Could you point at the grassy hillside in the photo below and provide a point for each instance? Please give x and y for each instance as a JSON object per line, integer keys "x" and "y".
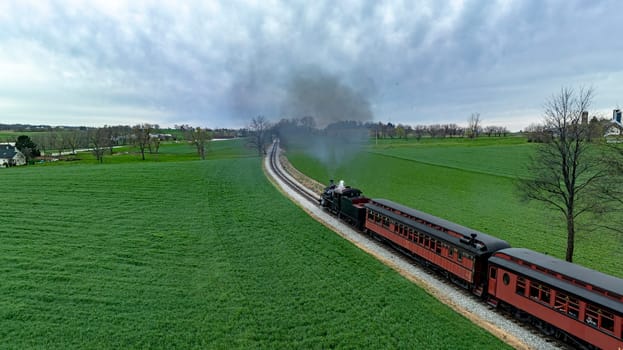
{"x": 195, "y": 255}
{"x": 471, "y": 183}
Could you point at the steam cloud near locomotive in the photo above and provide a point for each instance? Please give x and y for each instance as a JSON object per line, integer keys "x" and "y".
{"x": 318, "y": 102}
{"x": 565, "y": 300}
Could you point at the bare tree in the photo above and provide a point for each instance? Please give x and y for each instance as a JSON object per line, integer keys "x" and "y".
{"x": 141, "y": 136}
{"x": 567, "y": 170}
{"x": 42, "y": 141}
{"x": 154, "y": 139}
{"x": 503, "y": 131}
{"x": 107, "y": 138}
{"x": 473, "y": 125}
{"x": 408, "y": 131}
{"x": 259, "y": 128}
{"x": 537, "y": 133}
{"x": 154, "y": 144}
{"x": 118, "y": 135}
{"x": 98, "y": 140}
{"x": 400, "y": 131}
{"x": 74, "y": 138}
{"x": 390, "y": 130}
{"x": 199, "y": 137}
{"x": 490, "y": 130}
{"x": 57, "y": 141}
{"x": 493, "y": 130}
{"x": 419, "y": 131}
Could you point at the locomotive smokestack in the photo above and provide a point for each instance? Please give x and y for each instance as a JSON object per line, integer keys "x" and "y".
{"x": 340, "y": 187}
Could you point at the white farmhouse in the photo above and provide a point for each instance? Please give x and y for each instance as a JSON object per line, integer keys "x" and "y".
{"x": 10, "y": 156}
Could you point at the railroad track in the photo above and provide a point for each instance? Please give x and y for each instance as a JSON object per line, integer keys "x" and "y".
{"x": 308, "y": 195}
{"x": 290, "y": 181}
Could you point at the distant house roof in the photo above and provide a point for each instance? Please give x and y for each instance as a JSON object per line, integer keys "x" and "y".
{"x": 7, "y": 151}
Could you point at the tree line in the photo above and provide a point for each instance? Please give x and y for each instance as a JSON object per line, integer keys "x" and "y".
{"x": 542, "y": 132}
{"x": 399, "y": 131}
{"x": 58, "y": 142}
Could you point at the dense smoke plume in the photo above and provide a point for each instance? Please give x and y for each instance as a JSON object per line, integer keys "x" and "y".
{"x": 324, "y": 97}
{"x": 326, "y": 117}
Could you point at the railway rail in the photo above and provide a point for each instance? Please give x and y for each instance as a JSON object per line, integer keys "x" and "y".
{"x": 286, "y": 178}
{"x": 514, "y": 331}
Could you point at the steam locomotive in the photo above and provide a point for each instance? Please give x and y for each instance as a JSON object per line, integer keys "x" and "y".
{"x": 564, "y": 300}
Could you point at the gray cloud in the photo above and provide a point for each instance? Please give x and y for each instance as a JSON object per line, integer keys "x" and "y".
{"x": 220, "y": 64}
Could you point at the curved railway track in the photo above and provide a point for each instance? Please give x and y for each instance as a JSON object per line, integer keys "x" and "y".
{"x": 309, "y": 196}
{"x": 286, "y": 178}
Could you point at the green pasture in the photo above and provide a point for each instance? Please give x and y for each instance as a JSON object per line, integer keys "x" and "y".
{"x": 169, "y": 151}
{"x": 195, "y": 254}
{"x": 471, "y": 183}
{"x": 11, "y": 136}
{"x": 502, "y": 159}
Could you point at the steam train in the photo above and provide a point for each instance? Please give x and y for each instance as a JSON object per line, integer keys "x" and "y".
{"x": 565, "y": 300}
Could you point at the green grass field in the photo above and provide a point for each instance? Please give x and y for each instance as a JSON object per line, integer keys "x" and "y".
{"x": 195, "y": 254}
{"x": 471, "y": 182}
{"x": 168, "y": 152}
{"x": 7, "y": 135}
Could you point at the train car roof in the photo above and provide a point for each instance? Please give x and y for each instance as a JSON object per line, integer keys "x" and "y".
{"x": 565, "y": 268}
{"x": 466, "y": 231}
{"x": 491, "y": 244}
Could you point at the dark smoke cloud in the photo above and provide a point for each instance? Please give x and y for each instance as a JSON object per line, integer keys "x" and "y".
{"x": 326, "y": 98}
{"x": 339, "y": 112}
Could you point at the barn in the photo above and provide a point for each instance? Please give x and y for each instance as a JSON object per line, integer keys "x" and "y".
{"x": 11, "y": 156}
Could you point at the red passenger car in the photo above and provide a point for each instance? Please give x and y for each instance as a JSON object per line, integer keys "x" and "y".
{"x": 565, "y": 298}
{"x": 458, "y": 250}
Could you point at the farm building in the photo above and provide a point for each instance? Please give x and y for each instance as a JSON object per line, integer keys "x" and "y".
{"x": 11, "y": 156}
{"x": 615, "y": 128}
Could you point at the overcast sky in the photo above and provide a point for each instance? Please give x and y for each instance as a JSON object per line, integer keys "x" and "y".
{"x": 218, "y": 64}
